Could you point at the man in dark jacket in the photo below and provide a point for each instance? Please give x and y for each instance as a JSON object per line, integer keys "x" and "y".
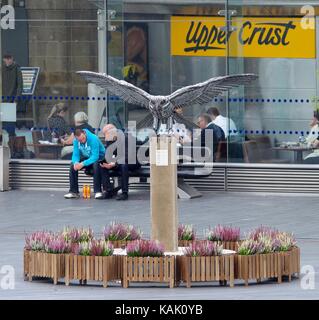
{"x": 118, "y": 157}
{"x": 204, "y": 122}
{"x": 12, "y": 85}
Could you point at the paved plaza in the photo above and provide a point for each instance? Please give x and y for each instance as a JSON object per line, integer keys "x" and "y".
{"x": 26, "y": 211}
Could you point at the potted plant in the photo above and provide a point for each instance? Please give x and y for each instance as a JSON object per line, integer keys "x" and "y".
{"x": 186, "y": 235}
{"x": 266, "y": 253}
{"x": 44, "y": 255}
{"x": 119, "y": 234}
{"x": 145, "y": 262}
{"x": 77, "y": 235}
{"x": 202, "y": 262}
{"x": 227, "y": 236}
{"x": 92, "y": 260}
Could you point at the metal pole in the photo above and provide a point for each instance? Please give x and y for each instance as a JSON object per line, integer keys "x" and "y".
{"x": 4, "y": 151}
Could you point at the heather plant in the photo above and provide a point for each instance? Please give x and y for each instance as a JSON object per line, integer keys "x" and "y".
{"x": 203, "y": 249}
{"x": 186, "y": 232}
{"x": 101, "y": 248}
{"x": 119, "y": 231}
{"x": 93, "y": 248}
{"x": 38, "y": 241}
{"x": 262, "y": 231}
{"x": 286, "y": 241}
{"x": 77, "y": 235}
{"x": 145, "y": 248}
{"x": 223, "y": 233}
{"x": 58, "y": 244}
{"x": 250, "y": 247}
{"x": 266, "y": 240}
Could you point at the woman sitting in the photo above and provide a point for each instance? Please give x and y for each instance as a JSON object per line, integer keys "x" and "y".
{"x": 58, "y": 128}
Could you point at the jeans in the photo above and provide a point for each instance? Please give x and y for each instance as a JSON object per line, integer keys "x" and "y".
{"x": 73, "y": 176}
{"x": 123, "y": 170}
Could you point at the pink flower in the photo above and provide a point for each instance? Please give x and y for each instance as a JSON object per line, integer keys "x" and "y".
{"x": 203, "y": 249}
{"x": 223, "y": 233}
{"x": 145, "y": 248}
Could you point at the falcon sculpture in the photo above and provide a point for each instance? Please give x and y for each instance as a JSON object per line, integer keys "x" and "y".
{"x": 162, "y": 108}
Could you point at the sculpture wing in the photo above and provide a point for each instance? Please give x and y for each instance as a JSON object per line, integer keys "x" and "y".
{"x": 188, "y": 124}
{"x": 124, "y": 90}
{"x": 146, "y": 122}
{"x": 204, "y": 92}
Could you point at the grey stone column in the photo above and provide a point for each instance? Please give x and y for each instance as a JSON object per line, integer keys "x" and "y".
{"x": 164, "y": 212}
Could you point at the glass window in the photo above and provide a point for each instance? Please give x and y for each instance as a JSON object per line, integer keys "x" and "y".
{"x": 161, "y": 46}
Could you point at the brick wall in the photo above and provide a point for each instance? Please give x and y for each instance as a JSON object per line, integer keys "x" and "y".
{"x": 62, "y": 40}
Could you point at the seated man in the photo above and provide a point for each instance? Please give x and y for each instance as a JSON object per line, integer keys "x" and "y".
{"x": 88, "y": 150}
{"x": 123, "y": 153}
{"x": 204, "y": 122}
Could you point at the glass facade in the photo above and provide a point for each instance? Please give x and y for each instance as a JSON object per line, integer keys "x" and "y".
{"x": 162, "y": 46}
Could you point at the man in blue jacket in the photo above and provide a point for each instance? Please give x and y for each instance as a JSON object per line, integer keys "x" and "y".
{"x": 88, "y": 151}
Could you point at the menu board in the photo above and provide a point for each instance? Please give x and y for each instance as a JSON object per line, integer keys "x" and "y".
{"x": 30, "y": 78}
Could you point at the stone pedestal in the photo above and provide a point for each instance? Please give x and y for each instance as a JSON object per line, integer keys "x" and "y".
{"x": 4, "y": 168}
{"x": 164, "y": 213}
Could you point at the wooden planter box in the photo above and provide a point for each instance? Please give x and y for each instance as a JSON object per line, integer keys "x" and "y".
{"x": 85, "y": 268}
{"x": 263, "y": 266}
{"x": 204, "y": 269}
{"x": 149, "y": 269}
{"x": 229, "y": 245}
{"x": 45, "y": 265}
{"x": 271, "y": 265}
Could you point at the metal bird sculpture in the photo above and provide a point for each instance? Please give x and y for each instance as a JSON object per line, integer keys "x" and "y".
{"x": 162, "y": 108}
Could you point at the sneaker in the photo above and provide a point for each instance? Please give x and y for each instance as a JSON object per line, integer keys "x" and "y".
{"x": 99, "y": 196}
{"x": 72, "y": 195}
{"x": 122, "y": 196}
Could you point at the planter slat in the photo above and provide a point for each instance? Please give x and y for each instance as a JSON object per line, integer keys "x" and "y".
{"x": 216, "y": 262}
{"x": 161, "y": 271}
{"x": 197, "y": 269}
{"x": 166, "y": 270}
{"x": 105, "y": 272}
{"x": 208, "y": 268}
{"x": 151, "y": 269}
{"x": 135, "y": 278}
{"x": 203, "y": 268}
{"x": 193, "y": 271}
{"x": 226, "y": 273}
{"x": 231, "y": 270}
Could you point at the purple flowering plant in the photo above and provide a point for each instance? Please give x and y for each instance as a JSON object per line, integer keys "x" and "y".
{"x": 186, "y": 232}
{"x": 145, "y": 248}
{"x": 203, "y": 249}
{"x": 223, "y": 233}
{"x": 117, "y": 231}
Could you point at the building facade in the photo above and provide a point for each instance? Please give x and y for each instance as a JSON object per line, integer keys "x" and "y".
{"x": 162, "y": 45}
